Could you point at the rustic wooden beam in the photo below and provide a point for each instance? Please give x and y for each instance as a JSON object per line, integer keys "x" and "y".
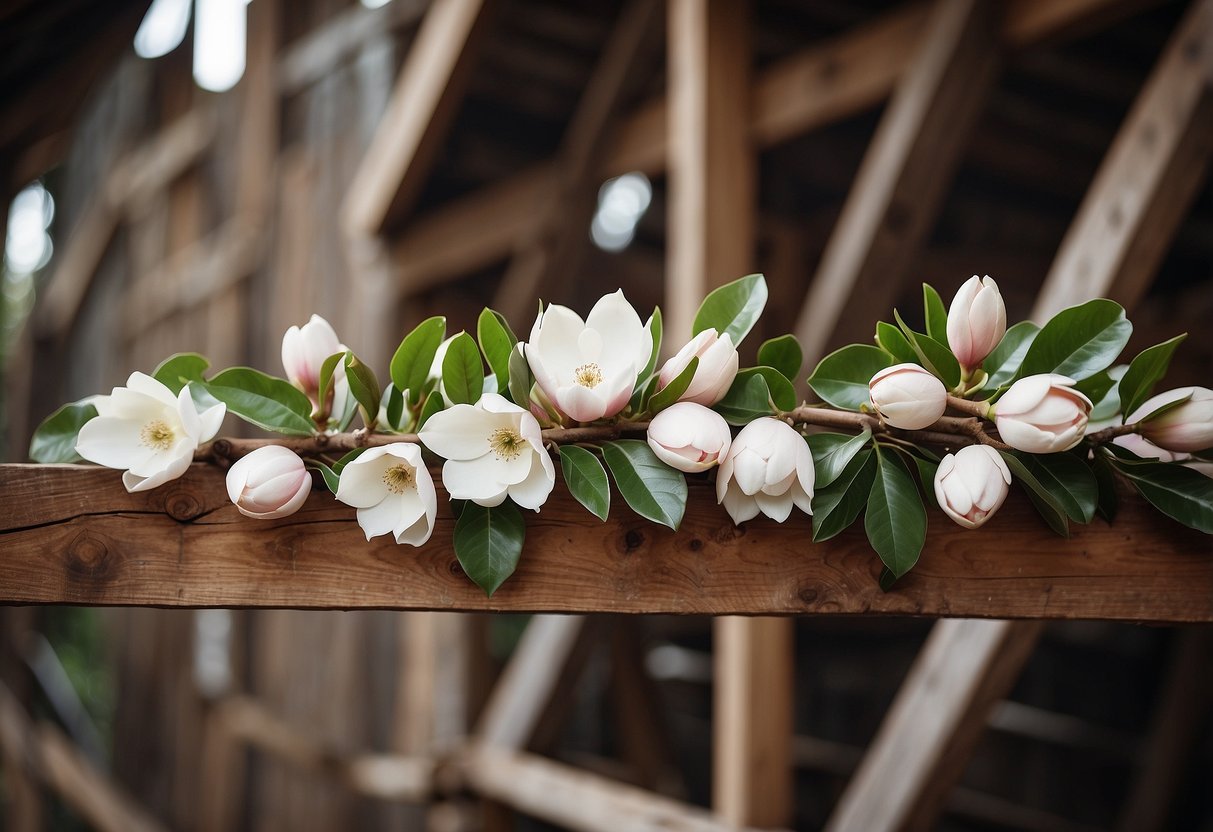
{"x": 904, "y": 177}
{"x": 73, "y": 535}
{"x": 1149, "y": 178}
{"x": 820, "y": 85}
{"x": 428, "y": 91}
{"x": 578, "y": 800}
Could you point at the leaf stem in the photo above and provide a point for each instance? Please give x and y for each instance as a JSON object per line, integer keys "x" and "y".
{"x": 979, "y": 409}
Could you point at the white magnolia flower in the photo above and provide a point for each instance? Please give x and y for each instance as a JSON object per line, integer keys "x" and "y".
{"x": 1185, "y": 427}
{"x": 715, "y": 373}
{"x": 493, "y": 450}
{"x": 972, "y": 484}
{"x": 768, "y": 468}
{"x": 147, "y": 431}
{"x": 588, "y": 368}
{"x": 1042, "y": 414}
{"x": 269, "y": 482}
{"x": 907, "y": 396}
{"x": 977, "y": 320}
{"x": 393, "y": 492}
{"x": 689, "y": 437}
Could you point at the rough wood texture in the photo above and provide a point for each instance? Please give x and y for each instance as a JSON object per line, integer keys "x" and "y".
{"x": 71, "y": 534}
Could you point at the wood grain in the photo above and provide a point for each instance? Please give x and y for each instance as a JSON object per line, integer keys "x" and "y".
{"x": 72, "y": 535}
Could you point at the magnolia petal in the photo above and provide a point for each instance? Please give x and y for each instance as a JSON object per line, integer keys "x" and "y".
{"x": 379, "y": 518}
{"x": 112, "y": 442}
{"x": 778, "y": 508}
{"x": 474, "y": 479}
{"x": 418, "y": 533}
{"x": 750, "y": 471}
{"x": 533, "y": 491}
{"x": 460, "y": 432}
{"x": 740, "y": 507}
{"x": 148, "y": 386}
{"x": 361, "y": 482}
{"x": 174, "y": 469}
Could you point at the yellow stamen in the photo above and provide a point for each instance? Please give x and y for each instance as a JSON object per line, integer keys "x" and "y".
{"x": 399, "y": 478}
{"x": 588, "y": 375}
{"x": 506, "y": 443}
{"x": 157, "y": 435}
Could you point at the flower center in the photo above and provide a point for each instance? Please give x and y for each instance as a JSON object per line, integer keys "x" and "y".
{"x": 588, "y": 375}
{"x": 399, "y": 478}
{"x": 157, "y": 435}
{"x": 506, "y": 443}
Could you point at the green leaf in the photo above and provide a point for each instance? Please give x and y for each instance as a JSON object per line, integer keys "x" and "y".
{"x": 936, "y": 314}
{"x": 896, "y": 521}
{"x": 935, "y": 357}
{"x": 586, "y": 479}
{"x": 653, "y": 489}
{"x": 1080, "y": 341}
{"x": 1096, "y": 387}
{"x": 496, "y": 341}
{"x": 1181, "y": 493}
{"x": 488, "y": 543}
{"x": 747, "y": 399}
{"x": 178, "y": 370}
{"x": 521, "y": 379}
{"x": 842, "y": 377}
{"x": 783, "y": 394}
{"x": 732, "y": 309}
{"x": 783, "y": 354}
{"x": 410, "y": 365}
{"x": 836, "y": 506}
{"x": 433, "y": 404}
{"x": 364, "y": 387}
{"x": 392, "y": 404}
{"x": 1108, "y": 404}
{"x": 1146, "y": 370}
{"x": 890, "y": 339}
{"x": 669, "y": 394}
{"x": 265, "y": 401}
{"x": 1002, "y": 364}
{"x": 832, "y": 452}
{"x": 327, "y": 368}
{"x": 1067, "y": 479}
{"x": 55, "y": 438}
{"x": 655, "y": 331}
{"x": 1046, "y": 504}
{"x": 462, "y": 372}
{"x": 926, "y": 475}
{"x": 1109, "y": 500}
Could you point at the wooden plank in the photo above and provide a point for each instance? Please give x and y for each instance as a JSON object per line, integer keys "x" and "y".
{"x": 1150, "y": 176}
{"x": 822, "y": 84}
{"x": 71, "y": 534}
{"x": 577, "y": 800}
{"x": 903, "y": 179}
{"x": 940, "y": 711}
{"x": 427, "y": 93}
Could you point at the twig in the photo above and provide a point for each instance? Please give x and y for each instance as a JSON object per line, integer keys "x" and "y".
{"x": 1102, "y": 437}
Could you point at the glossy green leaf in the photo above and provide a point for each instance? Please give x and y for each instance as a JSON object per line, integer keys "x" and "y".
{"x": 55, "y": 438}
{"x": 896, "y": 520}
{"x": 1046, "y": 504}
{"x": 932, "y": 355}
{"x": 497, "y": 340}
{"x": 655, "y": 332}
{"x": 1181, "y": 493}
{"x": 1002, "y": 364}
{"x": 488, "y": 543}
{"x": 521, "y": 379}
{"x": 332, "y": 480}
{"x": 327, "y": 368}
{"x": 842, "y": 377}
{"x": 178, "y": 370}
{"x": 364, "y": 387}
{"x": 653, "y": 489}
{"x": 433, "y": 403}
{"x": 669, "y": 394}
{"x": 890, "y": 339}
{"x": 1109, "y": 500}
{"x": 1146, "y": 370}
{"x": 1068, "y": 479}
{"x": 586, "y": 479}
{"x": 936, "y": 314}
{"x": 836, "y": 506}
{"x": 462, "y": 372}
{"x": 265, "y": 401}
{"x": 1097, "y": 386}
{"x": 1108, "y": 404}
{"x": 733, "y": 309}
{"x": 410, "y": 365}
{"x": 926, "y": 475}
{"x": 832, "y": 452}
{"x": 392, "y": 405}
{"x": 1080, "y": 341}
{"x": 783, "y": 394}
{"x": 747, "y": 399}
{"x": 783, "y": 354}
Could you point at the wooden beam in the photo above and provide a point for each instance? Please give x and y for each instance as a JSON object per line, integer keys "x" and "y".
{"x": 903, "y": 179}
{"x": 559, "y": 233}
{"x": 578, "y": 800}
{"x": 73, "y": 535}
{"x": 820, "y": 85}
{"x": 927, "y": 736}
{"x": 1149, "y": 178}
{"x": 428, "y": 91}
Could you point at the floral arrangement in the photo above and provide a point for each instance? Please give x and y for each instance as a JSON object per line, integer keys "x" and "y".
{"x": 949, "y": 417}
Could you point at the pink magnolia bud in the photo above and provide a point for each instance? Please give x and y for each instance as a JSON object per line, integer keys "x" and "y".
{"x": 977, "y": 320}
{"x": 971, "y": 484}
{"x": 270, "y": 482}
{"x": 1185, "y": 427}
{"x": 907, "y": 396}
{"x": 304, "y": 350}
{"x": 715, "y": 373}
{"x": 768, "y": 469}
{"x": 1042, "y": 414}
{"x": 689, "y": 437}
{"x": 1146, "y": 449}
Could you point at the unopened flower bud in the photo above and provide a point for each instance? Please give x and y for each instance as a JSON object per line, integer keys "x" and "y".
{"x": 971, "y": 484}
{"x": 689, "y": 437}
{"x": 768, "y": 469}
{"x": 1042, "y": 414}
{"x": 304, "y": 350}
{"x": 1185, "y": 427}
{"x": 269, "y": 482}
{"x": 907, "y": 396}
{"x": 715, "y": 373}
{"x": 977, "y": 320}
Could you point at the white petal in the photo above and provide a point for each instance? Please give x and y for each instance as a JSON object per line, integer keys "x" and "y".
{"x": 750, "y": 471}
{"x": 418, "y": 533}
{"x": 379, "y": 518}
{"x": 148, "y": 386}
{"x": 112, "y": 442}
{"x": 473, "y": 480}
{"x": 361, "y": 483}
{"x": 188, "y": 414}
{"x": 776, "y": 507}
{"x": 461, "y": 432}
{"x": 581, "y": 404}
{"x": 171, "y": 471}
{"x": 534, "y": 490}
{"x": 209, "y": 422}
{"x": 740, "y": 507}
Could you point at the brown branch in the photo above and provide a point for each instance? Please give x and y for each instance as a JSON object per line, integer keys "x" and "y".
{"x": 1102, "y": 437}
{"x": 979, "y": 409}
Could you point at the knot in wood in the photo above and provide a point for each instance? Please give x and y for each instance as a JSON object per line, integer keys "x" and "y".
{"x": 633, "y": 540}
{"x": 87, "y": 556}
{"x": 182, "y": 504}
